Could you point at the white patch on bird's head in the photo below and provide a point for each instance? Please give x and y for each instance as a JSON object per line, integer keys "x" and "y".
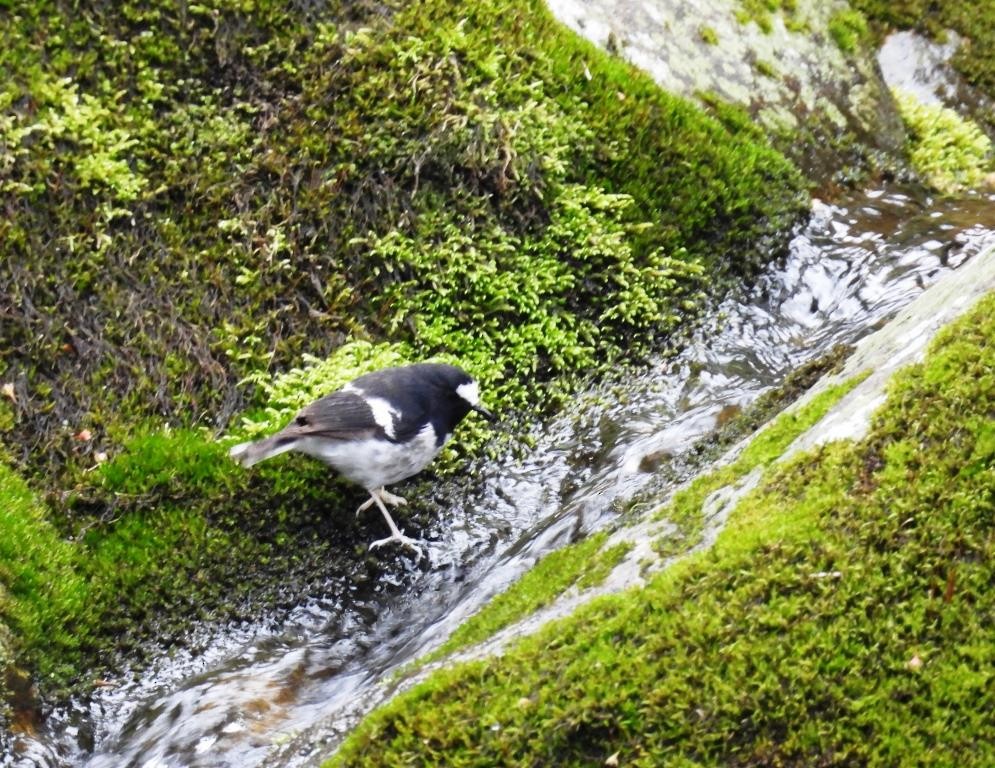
{"x": 469, "y": 392}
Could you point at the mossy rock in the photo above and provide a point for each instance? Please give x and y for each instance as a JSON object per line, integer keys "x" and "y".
{"x": 283, "y": 192}
{"x": 201, "y": 197}
{"x": 974, "y": 23}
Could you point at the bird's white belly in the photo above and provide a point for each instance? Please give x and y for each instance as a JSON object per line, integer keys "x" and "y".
{"x": 373, "y": 463}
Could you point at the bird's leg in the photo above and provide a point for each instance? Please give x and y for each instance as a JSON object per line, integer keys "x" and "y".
{"x": 386, "y": 496}
{"x": 395, "y": 533}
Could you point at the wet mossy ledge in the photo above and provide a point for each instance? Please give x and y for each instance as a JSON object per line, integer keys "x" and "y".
{"x": 212, "y": 209}
{"x": 863, "y": 570}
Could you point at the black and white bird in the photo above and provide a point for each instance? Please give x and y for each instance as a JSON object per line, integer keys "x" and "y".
{"x": 378, "y": 429}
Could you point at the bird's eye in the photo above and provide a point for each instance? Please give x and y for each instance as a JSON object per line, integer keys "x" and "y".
{"x": 301, "y": 421}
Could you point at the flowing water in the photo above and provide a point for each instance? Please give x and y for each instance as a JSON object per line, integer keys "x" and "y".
{"x": 282, "y": 694}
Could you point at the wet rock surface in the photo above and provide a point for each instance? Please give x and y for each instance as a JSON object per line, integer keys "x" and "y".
{"x": 785, "y": 69}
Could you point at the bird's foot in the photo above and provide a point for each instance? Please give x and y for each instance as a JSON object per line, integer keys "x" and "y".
{"x": 400, "y": 538}
{"x": 378, "y": 497}
{"x": 385, "y": 496}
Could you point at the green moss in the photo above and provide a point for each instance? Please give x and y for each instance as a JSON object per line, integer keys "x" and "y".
{"x": 292, "y": 390}
{"x": 766, "y": 69}
{"x": 239, "y": 237}
{"x": 761, "y": 13}
{"x": 848, "y": 28}
{"x": 952, "y": 154}
{"x": 6, "y": 416}
{"x": 41, "y": 587}
{"x": 586, "y": 563}
{"x": 166, "y": 466}
{"x": 507, "y": 305}
{"x": 685, "y": 509}
{"x": 708, "y": 35}
{"x": 841, "y": 618}
{"x": 773, "y": 401}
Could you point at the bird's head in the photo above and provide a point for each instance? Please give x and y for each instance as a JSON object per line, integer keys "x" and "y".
{"x": 464, "y": 387}
{"x": 470, "y": 392}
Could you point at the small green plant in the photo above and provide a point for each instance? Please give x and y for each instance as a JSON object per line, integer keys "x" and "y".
{"x": 848, "y": 28}
{"x": 766, "y": 69}
{"x": 708, "y": 35}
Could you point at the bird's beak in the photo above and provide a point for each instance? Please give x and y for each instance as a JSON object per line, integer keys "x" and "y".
{"x": 484, "y": 412}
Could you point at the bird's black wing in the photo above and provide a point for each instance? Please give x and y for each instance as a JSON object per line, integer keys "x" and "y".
{"x": 409, "y": 389}
{"x": 409, "y": 421}
{"x": 341, "y": 415}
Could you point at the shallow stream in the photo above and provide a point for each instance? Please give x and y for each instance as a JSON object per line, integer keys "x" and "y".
{"x": 283, "y": 694}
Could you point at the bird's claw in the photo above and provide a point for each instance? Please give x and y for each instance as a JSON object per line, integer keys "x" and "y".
{"x": 400, "y": 538}
{"x": 393, "y": 499}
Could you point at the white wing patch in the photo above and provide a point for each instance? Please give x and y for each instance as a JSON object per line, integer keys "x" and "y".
{"x": 383, "y": 414}
{"x": 469, "y": 392}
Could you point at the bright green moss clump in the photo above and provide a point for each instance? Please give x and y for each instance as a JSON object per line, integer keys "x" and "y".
{"x": 40, "y": 584}
{"x": 952, "y": 154}
{"x": 848, "y": 28}
{"x": 842, "y": 618}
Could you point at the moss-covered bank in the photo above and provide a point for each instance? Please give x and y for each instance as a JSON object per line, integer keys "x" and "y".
{"x": 197, "y": 197}
{"x": 842, "y": 618}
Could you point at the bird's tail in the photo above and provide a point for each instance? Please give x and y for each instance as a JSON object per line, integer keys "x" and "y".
{"x": 251, "y": 452}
